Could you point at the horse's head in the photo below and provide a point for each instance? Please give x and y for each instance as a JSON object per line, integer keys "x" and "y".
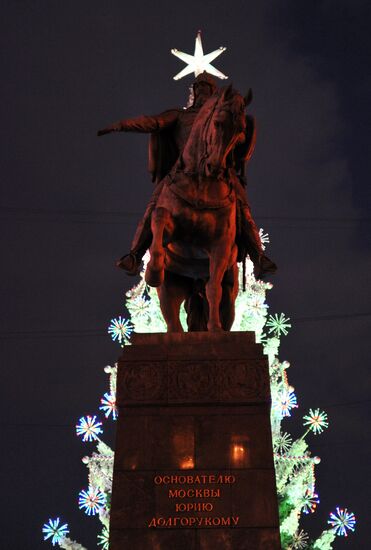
{"x": 223, "y": 129}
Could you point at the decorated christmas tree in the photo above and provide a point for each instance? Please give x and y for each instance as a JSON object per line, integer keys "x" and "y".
{"x": 294, "y": 464}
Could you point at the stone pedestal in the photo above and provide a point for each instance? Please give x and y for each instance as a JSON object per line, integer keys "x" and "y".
{"x": 194, "y": 463}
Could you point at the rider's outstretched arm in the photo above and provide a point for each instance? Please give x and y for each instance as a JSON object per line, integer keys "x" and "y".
{"x": 144, "y": 124}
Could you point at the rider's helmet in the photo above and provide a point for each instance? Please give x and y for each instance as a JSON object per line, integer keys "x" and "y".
{"x": 202, "y": 80}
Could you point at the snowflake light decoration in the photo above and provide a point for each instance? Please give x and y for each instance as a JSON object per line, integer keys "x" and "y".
{"x": 310, "y": 502}
{"x": 108, "y": 405}
{"x": 316, "y": 420}
{"x": 140, "y": 308}
{"x": 342, "y": 521}
{"x": 89, "y": 428}
{"x": 91, "y": 501}
{"x": 278, "y": 324}
{"x": 103, "y": 539}
{"x": 53, "y": 530}
{"x": 120, "y": 329}
{"x": 283, "y": 443}
{"x": 285, "y": 402}
{"x": 256, "y": 306}
{"x": 300, "y": 540}
{"x": 264, "y": 238}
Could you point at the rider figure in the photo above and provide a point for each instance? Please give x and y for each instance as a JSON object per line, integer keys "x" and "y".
{"x": 169, "y": 134}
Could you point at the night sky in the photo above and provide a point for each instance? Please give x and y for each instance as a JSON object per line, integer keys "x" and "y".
{"x": 70, "y": 204}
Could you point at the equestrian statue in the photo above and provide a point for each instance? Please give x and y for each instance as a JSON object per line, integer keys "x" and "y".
{"x": 198, "y": 223}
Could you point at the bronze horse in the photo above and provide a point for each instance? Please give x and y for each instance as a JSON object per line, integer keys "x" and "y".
{"x": 193, "y": 251}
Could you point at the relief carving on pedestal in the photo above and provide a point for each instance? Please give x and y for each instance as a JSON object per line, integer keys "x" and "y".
{"x": 245, "y": 381}
{"x": 143, "y": 381}
{"x": 191, "y": 380}
{"x": 186, "y": 381}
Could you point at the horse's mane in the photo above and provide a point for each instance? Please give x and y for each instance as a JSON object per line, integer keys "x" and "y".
{"x": 196, "y": 148}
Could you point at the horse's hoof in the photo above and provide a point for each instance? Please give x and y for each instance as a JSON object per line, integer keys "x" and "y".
{"x": 154, "y": 278}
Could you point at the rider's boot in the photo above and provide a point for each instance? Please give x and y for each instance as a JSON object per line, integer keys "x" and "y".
{"x": 131, "y": 262}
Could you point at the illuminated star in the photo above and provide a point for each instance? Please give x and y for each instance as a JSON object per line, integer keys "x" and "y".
{"x": 198, "y": 63}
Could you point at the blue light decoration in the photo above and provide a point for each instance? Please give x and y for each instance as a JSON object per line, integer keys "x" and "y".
{"x": 108, "y": 405}
{"x": 89, "y": 428}
{"x": 310, "y": 501}
{"x": 53, "y": 530}
{"x": 286, "y": 401}
{"x": 91, "y": 501}
{"x": 120, "y": 329}
{"x": 342, "y": 521}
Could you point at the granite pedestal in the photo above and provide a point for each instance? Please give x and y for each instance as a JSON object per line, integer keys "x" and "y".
{"x": 194, "y": 464}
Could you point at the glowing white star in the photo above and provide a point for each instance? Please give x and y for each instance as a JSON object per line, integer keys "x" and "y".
{"x": 198, "y": 63}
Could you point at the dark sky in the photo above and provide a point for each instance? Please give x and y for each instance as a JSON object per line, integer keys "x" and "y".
{"x": 70, "y": 203}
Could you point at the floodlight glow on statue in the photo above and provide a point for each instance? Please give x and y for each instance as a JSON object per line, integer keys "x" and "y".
{"x": 198, "y": 223}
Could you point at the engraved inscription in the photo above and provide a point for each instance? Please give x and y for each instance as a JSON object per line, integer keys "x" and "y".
{"x": 195, "y": 497}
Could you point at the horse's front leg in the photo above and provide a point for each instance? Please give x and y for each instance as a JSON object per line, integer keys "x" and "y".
{"x": 160, "y": 221}
{"x": 218, "y": 260}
